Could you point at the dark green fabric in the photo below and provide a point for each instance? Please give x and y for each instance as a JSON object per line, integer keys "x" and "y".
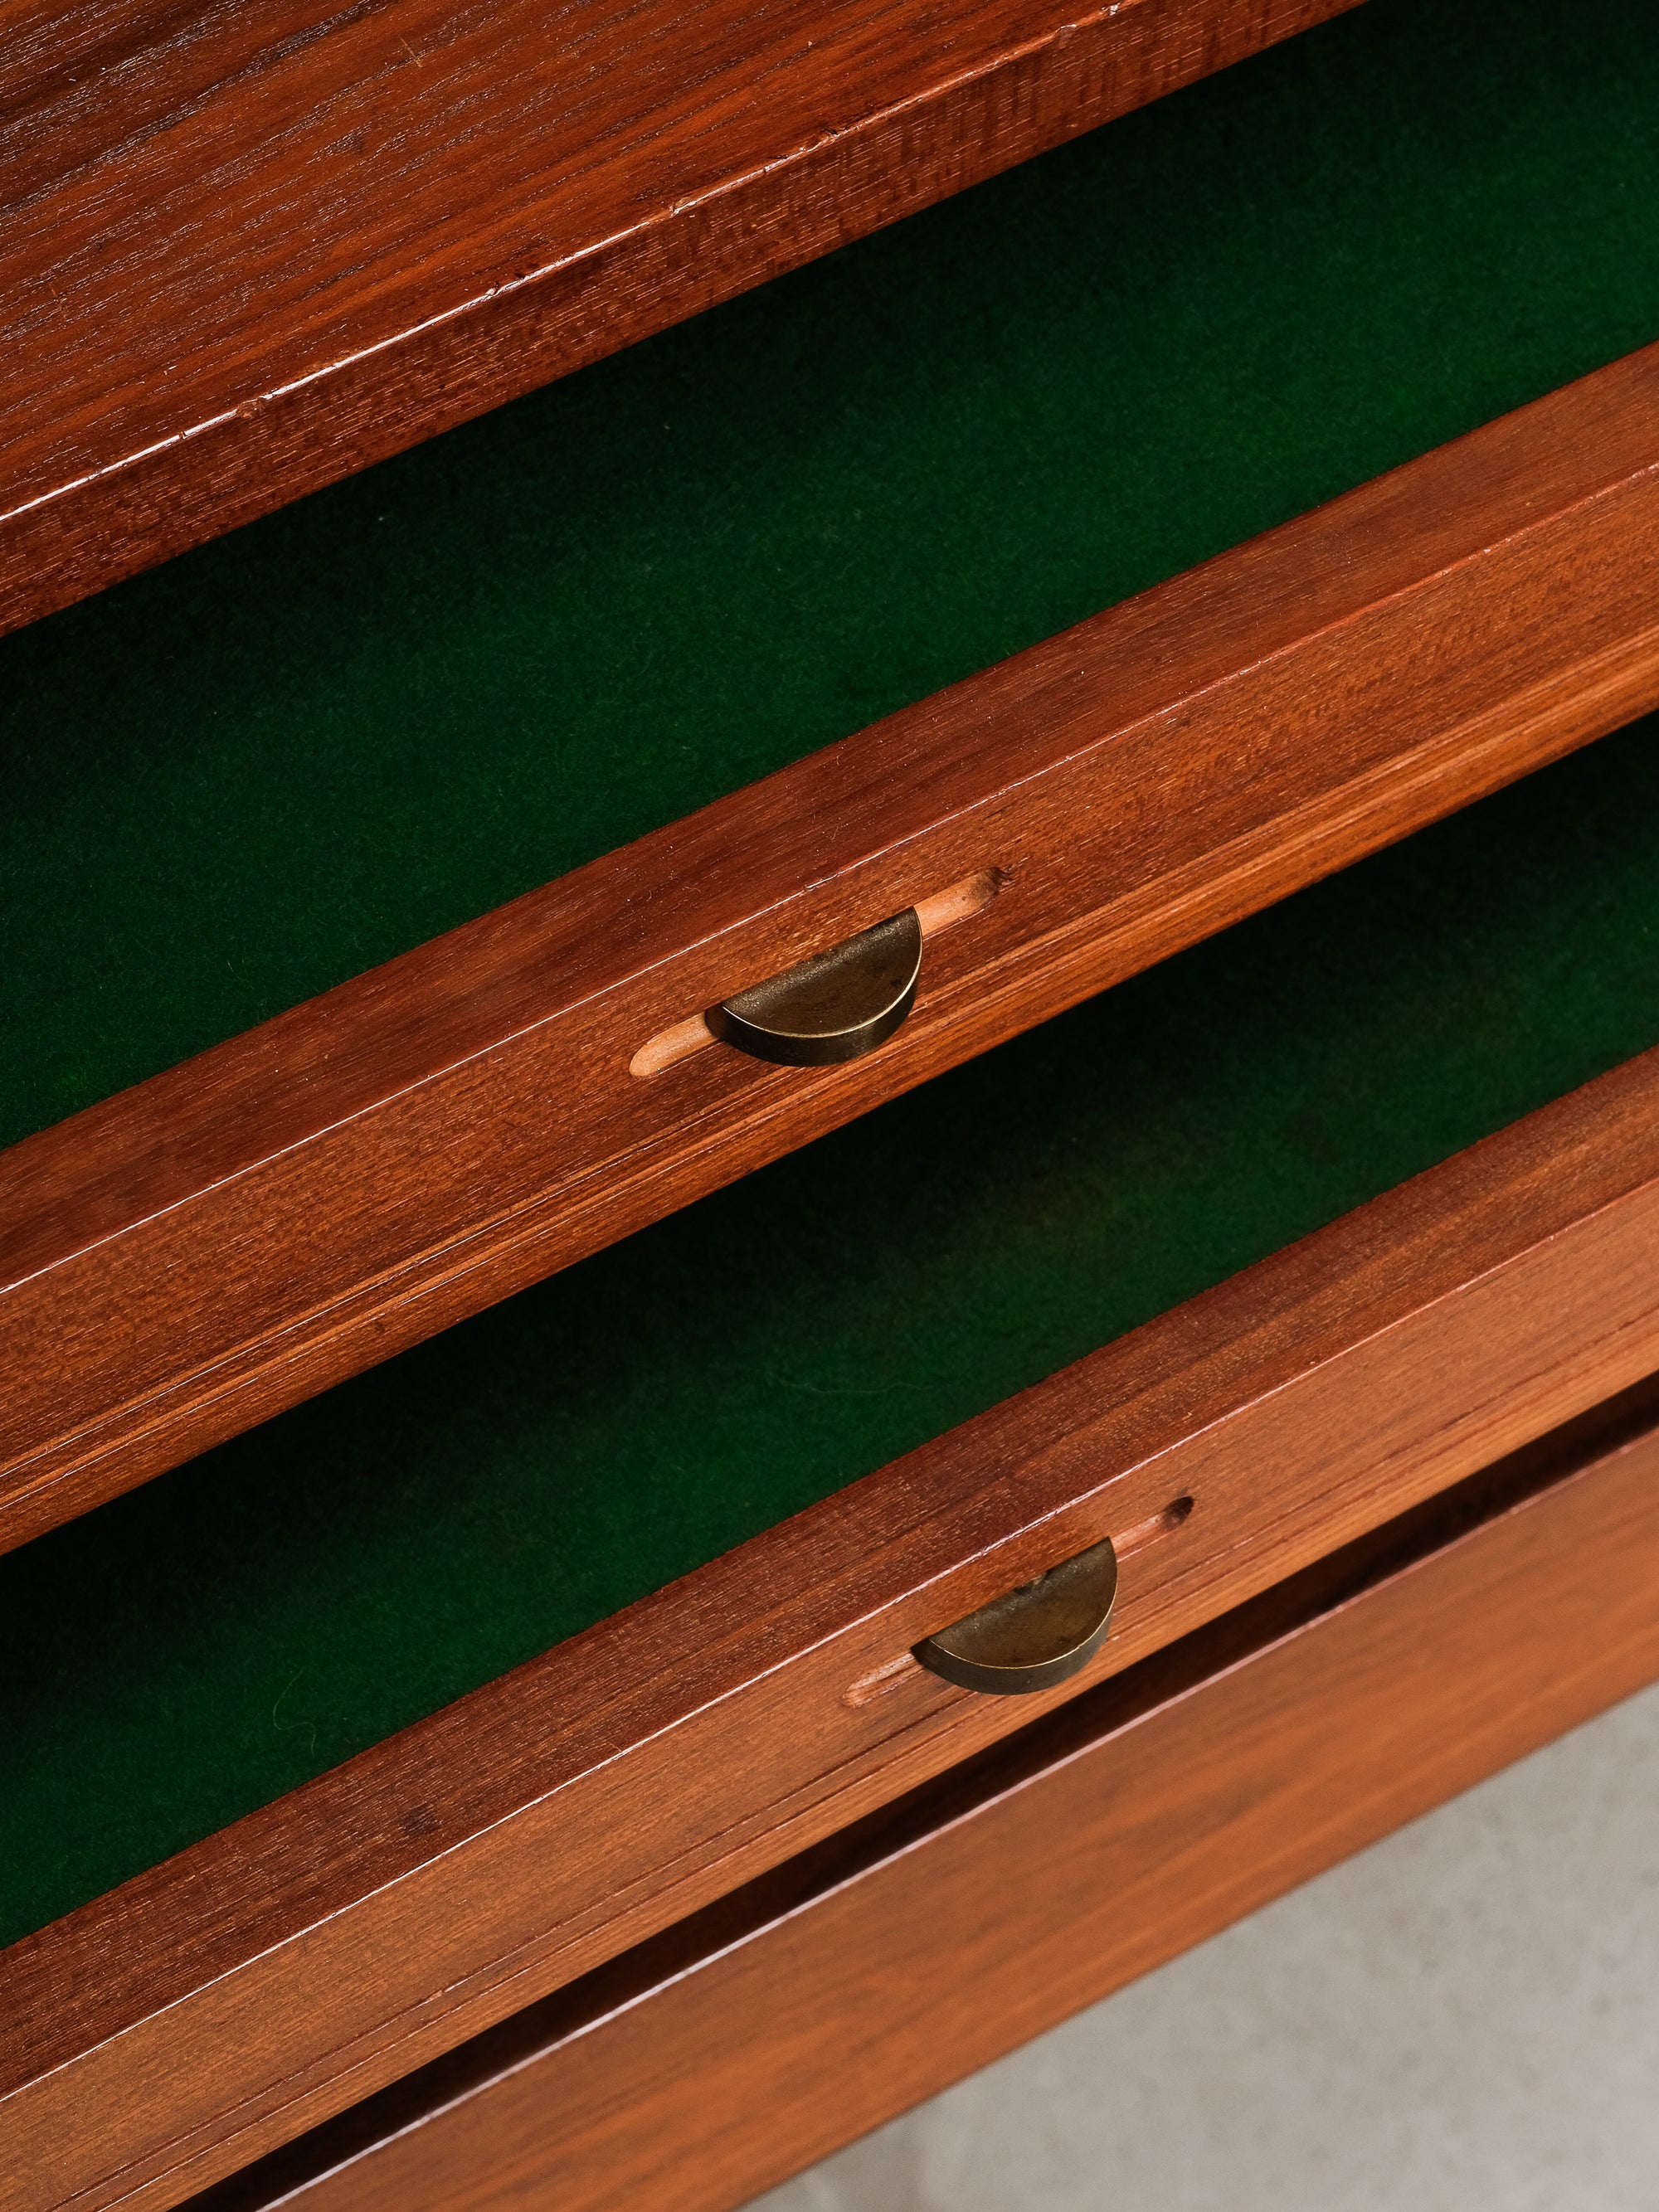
{"x": 195, "y": 1649}
{"x": 233, "y": 782}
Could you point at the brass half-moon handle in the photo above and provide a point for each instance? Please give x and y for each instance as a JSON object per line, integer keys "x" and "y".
{"x": 1034, "y": 1636}
{"x": 836, "y": 1005}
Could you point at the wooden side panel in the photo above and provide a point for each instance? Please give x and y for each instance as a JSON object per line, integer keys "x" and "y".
{"x": 340, "y": 1938}
{"x": 247, "y": 250}
{"x": 1146, "y": 1817}
{"x": 216, "y": 1244}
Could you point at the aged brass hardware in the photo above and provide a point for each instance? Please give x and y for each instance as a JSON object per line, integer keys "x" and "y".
{"x": 940, "y": 910}
{"x": 1034, "y": 1636}
{"x": 836, "y": 1005}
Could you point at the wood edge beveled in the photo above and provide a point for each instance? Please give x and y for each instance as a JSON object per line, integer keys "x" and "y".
{"x": 438, "y": 336}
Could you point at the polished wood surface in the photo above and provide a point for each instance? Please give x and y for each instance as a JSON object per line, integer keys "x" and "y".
{"x": 246, "y": 251}
{"x": 214, "y": 1244}
{"x": 826, "y": 1998}
{"x": 284, "y": 1969}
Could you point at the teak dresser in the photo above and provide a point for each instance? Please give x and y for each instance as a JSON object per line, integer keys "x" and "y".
{"x": 529, "y": 1456}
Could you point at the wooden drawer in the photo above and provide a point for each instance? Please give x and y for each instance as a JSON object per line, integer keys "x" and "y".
{"x": 238, "y": 1233}
{"x": 340, "y": 1752}
{"x": 1142, "y": 1818}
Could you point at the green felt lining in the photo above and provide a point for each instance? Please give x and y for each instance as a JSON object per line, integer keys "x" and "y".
{"x": 233, "y": 782}
{"x": 194, "y": 1649}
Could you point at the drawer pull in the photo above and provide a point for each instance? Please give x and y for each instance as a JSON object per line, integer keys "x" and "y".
{"x": 742, "y": 1025}
{"x": 1033, "y": 1637}
{"x": 836, "y": 1005}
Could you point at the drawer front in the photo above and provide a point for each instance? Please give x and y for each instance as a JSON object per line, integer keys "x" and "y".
{"x": 829, "y": 1996}
{"x": 457, "y": 209}
{"x": 184, "y": 2023}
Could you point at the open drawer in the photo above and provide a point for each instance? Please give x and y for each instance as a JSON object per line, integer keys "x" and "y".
{"x": 533, "y": 648}
{"x": 617, "y": 1471}
{"x": 939, "y": 1934}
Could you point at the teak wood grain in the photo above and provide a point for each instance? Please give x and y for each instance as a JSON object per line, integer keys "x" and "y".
{"x": 227, "y": 1238}
{"x": 875, "y": 1971}
{"x": 246, "y": 251}
{"x": 263, "y": 1980}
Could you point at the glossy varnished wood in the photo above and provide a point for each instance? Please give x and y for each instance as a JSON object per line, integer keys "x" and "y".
{"x": 319, "y": 1949}
{"x": 221, "y": 1241}
{"x": 828, "y": 1998}
{"x": 245, "y": 250}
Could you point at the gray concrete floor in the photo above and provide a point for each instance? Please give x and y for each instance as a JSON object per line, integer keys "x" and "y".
{"x": 1463, "y": 2018}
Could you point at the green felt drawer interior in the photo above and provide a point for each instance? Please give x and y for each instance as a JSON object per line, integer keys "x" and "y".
{"x": 194, "y": 1649}
{"x": 293, "y": 754}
